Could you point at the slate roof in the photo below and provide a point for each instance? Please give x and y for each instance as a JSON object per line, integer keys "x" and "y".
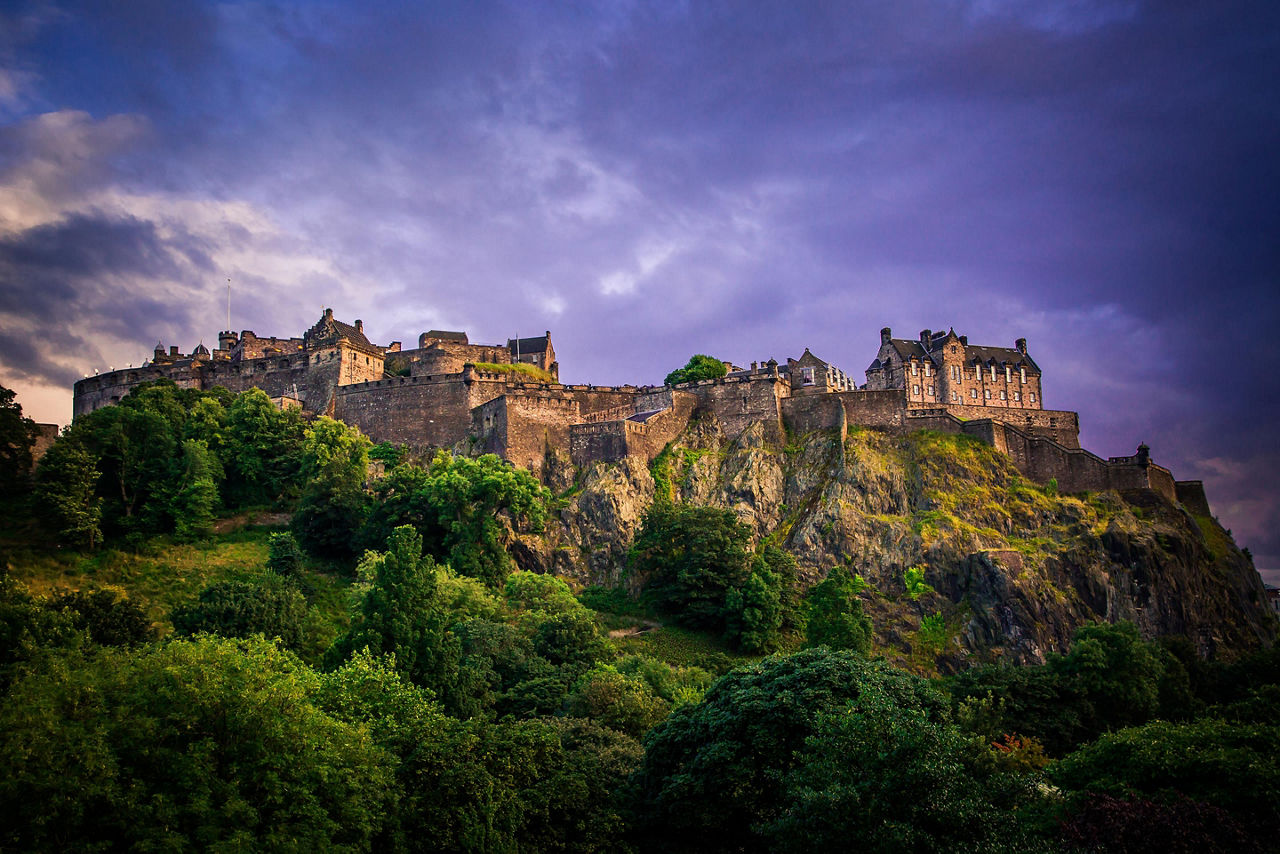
{"x": 1000, "y": 355}
{"x": 349, "y": 332}
{"x": 530, "y": 345}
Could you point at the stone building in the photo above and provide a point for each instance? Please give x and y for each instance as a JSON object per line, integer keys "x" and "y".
{"x": 943, "y": 369}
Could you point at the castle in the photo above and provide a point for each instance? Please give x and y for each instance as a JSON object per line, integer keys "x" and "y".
{"x": 507, "y": 399}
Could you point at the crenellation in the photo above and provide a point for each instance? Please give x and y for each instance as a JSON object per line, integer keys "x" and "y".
{"x": 438, "y": 396}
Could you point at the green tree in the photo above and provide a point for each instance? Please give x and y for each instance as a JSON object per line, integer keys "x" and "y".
{"x": 264, "y": 449}
{"x": 241, "y": 609}
{"x": 199, "y": 744}
{"x": 66, "y": 493}
{"x": 836, "y": 618}
{"x": 766, "y": 602}
{"x": 714, "y": 774}
{"x": 400, "y": 614}
{"x": 1117, "y": 672}
{"x": 197, "y": 495}
{"x": 334, "y": 503}
{"x": 699, "y": 367}
{"x": 468, "y": 495}
{"x": 1230, "y": 765}
{"x": 135, "y": 449}
{"x": 617, "y": 701}
{"x": 690, "y": 558}
{"x": 884, "y": 777}
{"x": 17, "y": 436}
{"x": 30, "y": 631}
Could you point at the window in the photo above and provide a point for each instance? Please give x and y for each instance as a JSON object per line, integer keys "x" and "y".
{"x": 993, "y": 372}
{"x": 1004, "y": 395}
{"x": 1022, "y": 372}
{"x": 806, "y": 376}
{"x": 987, "y": 394}
{"x": 1017, "y": 395}
{"x": 955, "y": 372}
{"x": 973, "y": 392}
{"x": 915, "y": 368}
{"x": 915, "y": 390}
{"x": 927, "y": 369}
{"x": 1033, "y": 397}
{"x": 1007, "y": 378}
{"x": 929, "y": 390}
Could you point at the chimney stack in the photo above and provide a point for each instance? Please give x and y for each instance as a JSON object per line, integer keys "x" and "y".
{"x": 926, "y": 335}
{"x": 1021, "y": 346}
{"x": 359, "y": 325}
{"x": 885, "y": 335}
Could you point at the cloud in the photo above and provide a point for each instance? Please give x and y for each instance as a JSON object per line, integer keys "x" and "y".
{"x": 654, "y": 180}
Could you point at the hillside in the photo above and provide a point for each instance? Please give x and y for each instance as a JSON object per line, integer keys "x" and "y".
{"x": 1010, "y": 568}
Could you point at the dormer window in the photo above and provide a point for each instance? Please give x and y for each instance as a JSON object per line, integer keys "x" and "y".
{"x": 915, "y": 368}
{"x": 926, "y": 370}
{"x": 1022, "y": 372}
{"x": 993, "y": 371}
{"x": 1007, "y": 377}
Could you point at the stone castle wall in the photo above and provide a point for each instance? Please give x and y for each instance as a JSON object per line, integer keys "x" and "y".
{"x": 426, "y": 411}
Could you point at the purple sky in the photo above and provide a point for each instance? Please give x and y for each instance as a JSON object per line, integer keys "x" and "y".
{"x": 651, "y": 180}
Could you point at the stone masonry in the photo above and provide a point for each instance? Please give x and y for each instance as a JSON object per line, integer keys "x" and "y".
{"x": 506, "y": 399}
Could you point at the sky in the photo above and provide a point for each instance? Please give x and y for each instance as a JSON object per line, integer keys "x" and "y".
{"x": 648, "y": 180}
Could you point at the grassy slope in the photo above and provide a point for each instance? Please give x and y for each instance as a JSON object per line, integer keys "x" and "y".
{"x": 162, "y": 574}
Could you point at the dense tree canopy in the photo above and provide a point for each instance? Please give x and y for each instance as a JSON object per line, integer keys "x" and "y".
{"x": 206, "y": 743}
{"x": 17, "y": 436}
{"x": 699, "y": 367}
{"x": 713, "y": 776}
{"x": 689, "y": 559}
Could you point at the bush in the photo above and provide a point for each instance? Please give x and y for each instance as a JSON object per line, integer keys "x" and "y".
{"x": 106, "y": 615}
{"x": 241, "y": 609}
{"x": 836, "y": 618}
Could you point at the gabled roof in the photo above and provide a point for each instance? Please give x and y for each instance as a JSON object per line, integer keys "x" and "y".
{"x": 349, "y": 332}
{"x": 328, "y": 329}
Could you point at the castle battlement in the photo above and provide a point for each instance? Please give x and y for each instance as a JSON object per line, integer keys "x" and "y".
{"x": 449, "y": 392}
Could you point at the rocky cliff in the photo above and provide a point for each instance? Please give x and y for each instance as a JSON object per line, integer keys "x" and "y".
{"x": 964, "y": 560}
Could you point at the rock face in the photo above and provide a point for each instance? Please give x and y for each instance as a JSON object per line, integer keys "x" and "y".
{"x": 1010, "y": 569}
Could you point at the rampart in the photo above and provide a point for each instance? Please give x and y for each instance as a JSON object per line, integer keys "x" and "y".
{"x": 435, "y": 396}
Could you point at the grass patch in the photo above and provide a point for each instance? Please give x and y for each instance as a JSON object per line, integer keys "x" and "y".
{"x": 162, "y": 574}
{"x": 660, "y": 469}
{"x": 1216, "y": 539}
{"x": 684, "y": 648}
{"x": 530, "y": 371}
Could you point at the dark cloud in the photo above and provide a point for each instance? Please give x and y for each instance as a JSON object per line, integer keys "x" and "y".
{"x": 650, "y": 180}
